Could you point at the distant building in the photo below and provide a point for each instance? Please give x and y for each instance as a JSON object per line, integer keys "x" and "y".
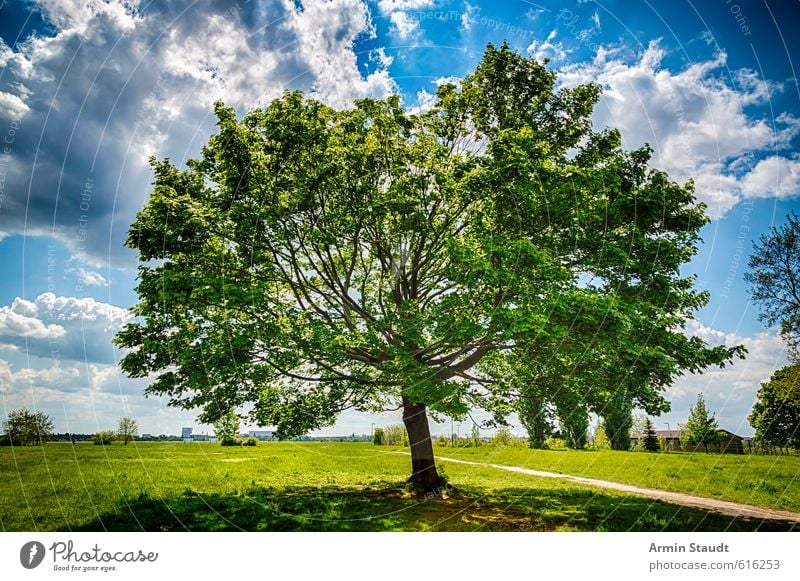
{"x": 730, "y": 443}
{"x": 186, "y": 433}
{"x": 261, "y": 434}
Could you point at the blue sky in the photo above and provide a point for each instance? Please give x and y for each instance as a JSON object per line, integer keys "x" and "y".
{"x": 89, "y": 89}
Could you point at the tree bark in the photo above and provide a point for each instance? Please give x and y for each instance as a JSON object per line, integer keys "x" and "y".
{"x": 424, "y": 477}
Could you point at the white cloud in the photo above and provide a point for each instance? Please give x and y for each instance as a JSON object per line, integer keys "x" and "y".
{"x": 548, "y": 49}
{"x": 388, "y": 6}
{"x": 87, "y": 398}
{"x": 404, "y": 26}
{"x": 87, "y": 277}
{"x": 16, "y": 324}
{"x": 68, "y": 328}
{"x": 119, "y": 81}
{"x": 12, "y": 106}
{"x": 596, "y": 20}
{"x": 729, "y": 391}
{"x": 696, "y": 123}
{"x": 773, "y": 177}
{"x": 425, "y": 101}
{"x": 468, "y": 16}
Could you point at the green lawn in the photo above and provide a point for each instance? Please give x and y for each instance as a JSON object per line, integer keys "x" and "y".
{"x": 307, "y": 487}
{"x": 771, "y": 481}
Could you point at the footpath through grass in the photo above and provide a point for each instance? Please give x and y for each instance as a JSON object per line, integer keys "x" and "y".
{"x": 770, "y": 481}
{"x": 308, "y": 487}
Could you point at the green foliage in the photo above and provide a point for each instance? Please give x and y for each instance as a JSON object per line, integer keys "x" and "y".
{"x": 316, "y": 260}
{"x": 618, "y": 420}
{"x": 701, "y": 425}
{"x": 554, "y": 443}
{"x": 599, "y": 440}
{"x": 475, "y": 436}
{"x": 26, "y": 428}
{"x": 395, "y": 435}
{"x": 249, "y": 442}
{"x": 503, "y": 438}
{"x": 226, "y": 429}
{"x": 378, "y": 437}
{"x": 774, "y": 279}
{"x": 685, "y": 438}
{"x": 776, "y": 413}
{"x": 127, "y": 429}
{"x": 573, "y": 417}
{"x": 535, "y": 415}
{"x": 649, "y": 439}
{"x": 104, "y": 438}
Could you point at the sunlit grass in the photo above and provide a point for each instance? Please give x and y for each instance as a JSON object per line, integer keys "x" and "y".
{"x": 309, "y": 487}
{"x": 770, "y": 481}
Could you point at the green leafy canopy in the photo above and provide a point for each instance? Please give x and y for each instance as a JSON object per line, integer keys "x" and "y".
{"x": 315, "y": 260}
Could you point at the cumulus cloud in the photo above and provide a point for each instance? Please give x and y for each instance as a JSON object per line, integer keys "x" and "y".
{"x": 18, "y": 322}
{"x": 86, "y": 277}
{"x": 87, "y": 398}
{"x": 66, "y": 328}
{"x": 697, "y": 122}
{"x": 547, "y": 49}
{"x": 120, "y": 80}
{"x": 388, "y": 6}
{"x": 729, "y": 391}
{"x": 403, "y": 25}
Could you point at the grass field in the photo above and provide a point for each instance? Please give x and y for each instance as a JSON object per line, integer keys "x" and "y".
{"x": 342, "y": 487}
{"x": 771, "y": 481}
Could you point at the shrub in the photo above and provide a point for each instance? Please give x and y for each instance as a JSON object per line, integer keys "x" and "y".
{"x": 229, "y": 442}
{"x": 555, "y": 444}
{"x": 378, "y": 437}
{"x": 502, "y": 437}
{"x": 395, "y": 435}
{"x": 249, "y": 442}
{"x": 104, "y": 438}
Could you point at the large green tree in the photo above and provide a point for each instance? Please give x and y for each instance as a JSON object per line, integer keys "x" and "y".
{"x": 316, "y": 260}
{"x": 776, "y": 413}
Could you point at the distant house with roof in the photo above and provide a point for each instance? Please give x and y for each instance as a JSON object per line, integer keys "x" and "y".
{"x": 670, "y": 440}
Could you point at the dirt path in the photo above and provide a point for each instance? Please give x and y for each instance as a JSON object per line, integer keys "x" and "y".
{"x": 721, "y": 506}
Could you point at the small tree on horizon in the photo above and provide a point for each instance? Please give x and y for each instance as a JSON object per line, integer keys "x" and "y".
{"x": 127, "y": 429}
{"x": 702, "y": 425}
{"x": 226, "y": 428}
{"x": 26, "y": 428}
{"x": 650, "y": 439}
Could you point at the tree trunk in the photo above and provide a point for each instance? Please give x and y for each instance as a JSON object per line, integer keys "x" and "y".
{"x": 424, "y": 477}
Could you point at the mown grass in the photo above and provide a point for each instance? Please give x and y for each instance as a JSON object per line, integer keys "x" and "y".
{"x": 769, "y": 481}
{"x": 305, "y": 487}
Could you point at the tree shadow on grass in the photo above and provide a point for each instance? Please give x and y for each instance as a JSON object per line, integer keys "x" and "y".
{"x": 396, "y": 509}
